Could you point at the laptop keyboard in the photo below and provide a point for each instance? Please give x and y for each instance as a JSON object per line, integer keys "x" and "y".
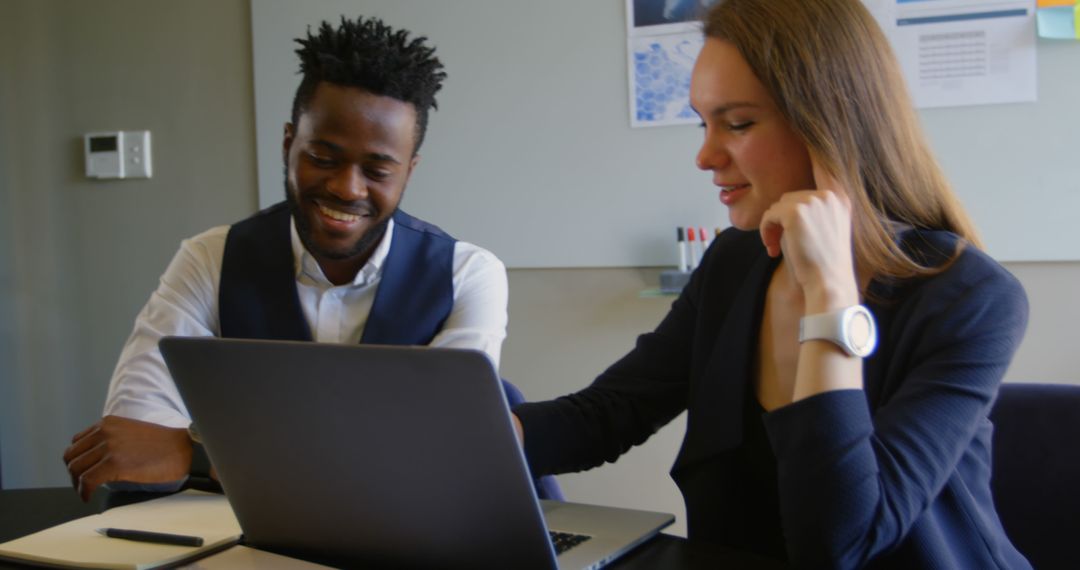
{"x": 563, "y": 541}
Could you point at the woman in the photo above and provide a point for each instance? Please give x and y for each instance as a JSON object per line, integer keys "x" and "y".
{"x": 801, "y": 449}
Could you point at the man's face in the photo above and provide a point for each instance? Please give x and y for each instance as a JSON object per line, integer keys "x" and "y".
{"x": 348, "y": 159}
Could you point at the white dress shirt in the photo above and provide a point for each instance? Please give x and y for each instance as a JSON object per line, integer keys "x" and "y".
{"x": 186, "y": 304}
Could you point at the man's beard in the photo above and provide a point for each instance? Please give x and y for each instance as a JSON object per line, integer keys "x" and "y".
{"x": 303, "y": 228}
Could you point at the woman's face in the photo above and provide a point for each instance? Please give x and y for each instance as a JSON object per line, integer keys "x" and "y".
{"x": 752, "y": 151}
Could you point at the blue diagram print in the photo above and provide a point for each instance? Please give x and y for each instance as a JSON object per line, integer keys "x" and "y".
{"x": 662, "y": 67}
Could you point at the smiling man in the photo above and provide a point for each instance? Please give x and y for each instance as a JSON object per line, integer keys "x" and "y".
{"x": 337, "y": 261}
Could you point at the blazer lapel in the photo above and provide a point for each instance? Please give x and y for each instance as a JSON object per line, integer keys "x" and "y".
{"x": 716, "y": 399}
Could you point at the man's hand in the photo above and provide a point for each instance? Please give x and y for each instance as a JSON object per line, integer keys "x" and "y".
{"x": 123, "y": 449}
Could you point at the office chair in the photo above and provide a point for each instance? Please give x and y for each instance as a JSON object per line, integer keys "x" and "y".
{"x": 1036, "y": 470}
{"x": 547, "y": 487}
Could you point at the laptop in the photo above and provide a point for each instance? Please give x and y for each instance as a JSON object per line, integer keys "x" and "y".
{"x": 382, "y": 456}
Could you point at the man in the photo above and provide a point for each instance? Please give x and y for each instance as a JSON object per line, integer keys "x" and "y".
{"x": 336, "y": 262}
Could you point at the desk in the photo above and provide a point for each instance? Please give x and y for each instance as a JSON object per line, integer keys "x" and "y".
{"x": 23, "y": 511}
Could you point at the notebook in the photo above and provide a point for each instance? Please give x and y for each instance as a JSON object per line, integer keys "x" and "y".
{"x": 380, "y": 456}
{"x": 76, "y": 544}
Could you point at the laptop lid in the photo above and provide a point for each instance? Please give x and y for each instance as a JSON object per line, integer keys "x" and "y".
{"x": 374, "y": 455}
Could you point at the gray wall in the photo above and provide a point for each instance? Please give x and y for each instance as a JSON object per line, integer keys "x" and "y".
{"x": 79, "y": 258}
{"x": 82, "y": 256}
{"x": 7, "y": 271}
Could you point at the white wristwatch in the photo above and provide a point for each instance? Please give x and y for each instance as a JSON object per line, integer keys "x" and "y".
{"x": 852, "y": 329}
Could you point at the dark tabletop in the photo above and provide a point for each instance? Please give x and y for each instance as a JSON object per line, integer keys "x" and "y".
{"x": 24, "y": 511}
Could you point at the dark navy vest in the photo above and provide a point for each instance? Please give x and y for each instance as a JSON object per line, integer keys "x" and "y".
{"x": 257, "y": 297}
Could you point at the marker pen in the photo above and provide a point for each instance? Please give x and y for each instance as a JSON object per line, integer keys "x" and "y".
{"x": 704, "y": 243}
{"x": 681, "y": 243}
{"x": 693, "y": 248}
{"x": 148, "y": 536}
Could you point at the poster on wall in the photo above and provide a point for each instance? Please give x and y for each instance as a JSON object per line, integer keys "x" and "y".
{"x": 663, "y": 40}
{"x": 962, "y": 52}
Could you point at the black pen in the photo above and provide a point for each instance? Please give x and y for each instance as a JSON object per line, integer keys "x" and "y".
{"x": 147, "y": 536}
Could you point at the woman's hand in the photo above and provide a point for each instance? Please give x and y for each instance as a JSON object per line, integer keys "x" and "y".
{"x": 812, "y": 228}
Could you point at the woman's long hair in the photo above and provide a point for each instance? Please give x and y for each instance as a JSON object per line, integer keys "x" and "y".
{"x": 834, "y": 77}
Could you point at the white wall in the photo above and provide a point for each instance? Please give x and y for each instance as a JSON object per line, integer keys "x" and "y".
{"x": 534, "y": 123}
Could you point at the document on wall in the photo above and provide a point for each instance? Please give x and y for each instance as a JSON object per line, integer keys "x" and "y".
{"x": 76, "y": 544}
{"x": 663, "y": 39}
{"x": 962, "y": 52}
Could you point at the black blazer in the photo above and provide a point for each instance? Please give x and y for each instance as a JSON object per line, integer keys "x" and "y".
{"x": 893, "y": 476}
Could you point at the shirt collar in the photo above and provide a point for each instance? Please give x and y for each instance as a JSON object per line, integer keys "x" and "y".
{"x": 306, "y": 265}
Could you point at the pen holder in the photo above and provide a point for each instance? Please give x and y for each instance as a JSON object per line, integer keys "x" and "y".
{"x": 673, "y": 280}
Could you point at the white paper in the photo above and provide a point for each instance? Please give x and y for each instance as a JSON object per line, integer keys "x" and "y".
{"x": 962, "y": 52}
{"x": 660, "y": 79}
{"x": 663, "y": 38}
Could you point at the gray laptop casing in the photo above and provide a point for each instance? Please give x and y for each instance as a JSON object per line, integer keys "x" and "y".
{"x": 379, "y": 456}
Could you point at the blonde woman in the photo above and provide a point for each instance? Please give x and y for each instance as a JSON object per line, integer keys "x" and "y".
{"x": 839, "y": 348}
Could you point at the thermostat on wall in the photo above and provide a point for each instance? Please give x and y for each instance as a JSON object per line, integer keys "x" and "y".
{"x": 120, "y": 154}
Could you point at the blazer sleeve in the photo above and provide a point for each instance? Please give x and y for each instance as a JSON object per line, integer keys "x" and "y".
{"x": 641, "y": 392}
{"x": 853, "y": 483}
{"x": 622, "y": 408}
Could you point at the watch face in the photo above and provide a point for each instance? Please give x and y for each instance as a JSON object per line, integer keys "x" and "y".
{"x": 860, "y": 332}
{"x": 852, "y": 329}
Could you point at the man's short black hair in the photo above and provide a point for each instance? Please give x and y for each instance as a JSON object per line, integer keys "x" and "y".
{"x": 368, "y": 54}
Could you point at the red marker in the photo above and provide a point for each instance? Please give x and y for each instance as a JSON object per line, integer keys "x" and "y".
{"x": 693, "y": 250}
